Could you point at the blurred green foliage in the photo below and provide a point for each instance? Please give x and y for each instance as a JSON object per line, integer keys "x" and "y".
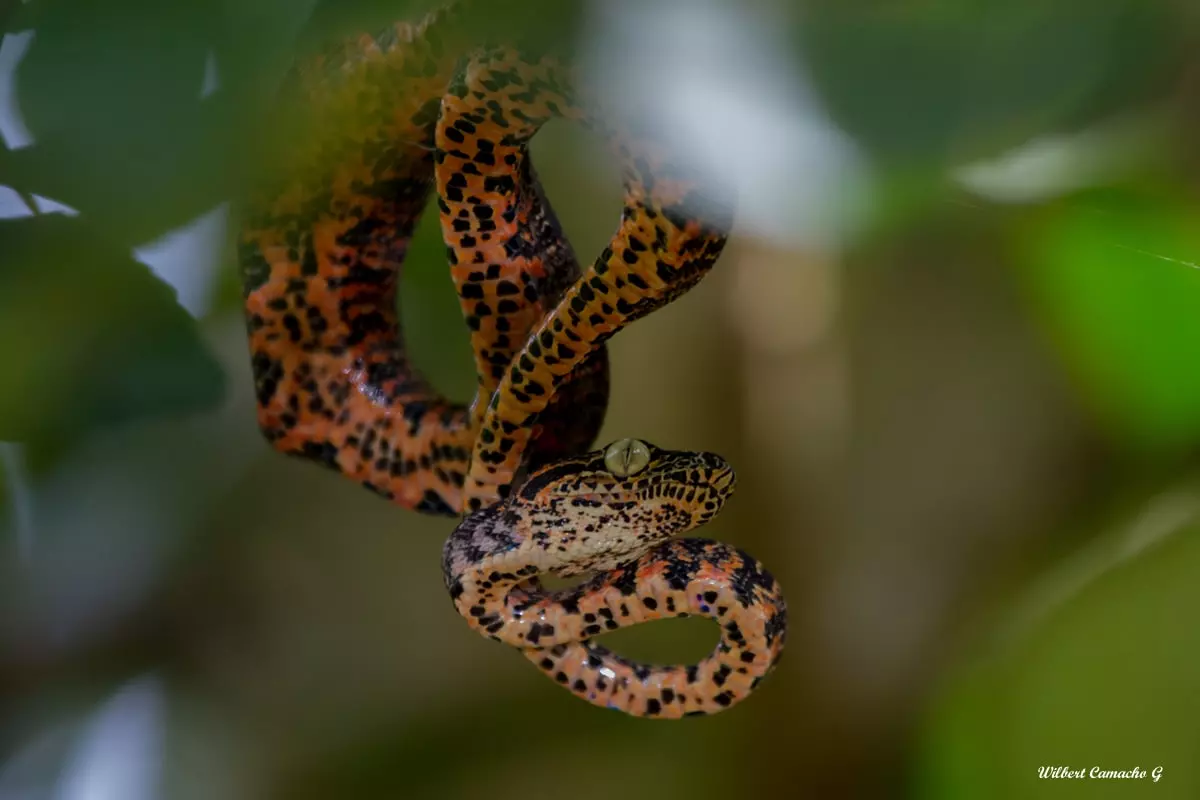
{"x": 1106, "y": 676}
{"x": 112, "y": 94}
{"x": 1115, "y": 276}
{"x": 939, "y": 82}
{"x": 72, "y": 362}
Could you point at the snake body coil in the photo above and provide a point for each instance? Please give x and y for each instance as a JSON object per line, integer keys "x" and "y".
{"x": 579, "y": 516}
{"x": 321, "y": 251}
{"x": 385, "y": 120}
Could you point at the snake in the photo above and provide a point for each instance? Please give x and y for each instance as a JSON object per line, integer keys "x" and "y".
{"x": 611, "y": 513}
{"x": 380, "y": 124}
{"x": 324, "y": 236}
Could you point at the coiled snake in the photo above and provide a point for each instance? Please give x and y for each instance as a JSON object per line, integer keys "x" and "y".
{"x": 385, "y": 120}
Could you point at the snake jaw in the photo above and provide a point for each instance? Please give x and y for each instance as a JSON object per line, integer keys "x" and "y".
{"x": 583, "y": 516}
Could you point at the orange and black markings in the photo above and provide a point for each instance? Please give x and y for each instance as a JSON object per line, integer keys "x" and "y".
{"x": 381, "y": 124}
{"x": 670, "y": 234}
{"x": 321, "y": 254}
{"x": 578, "y": 516}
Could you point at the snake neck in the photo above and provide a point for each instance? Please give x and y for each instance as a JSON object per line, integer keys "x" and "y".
{"x": 480, "y": 538}
{"x": 493, "y": 560}
{"x": 562, "y": 536}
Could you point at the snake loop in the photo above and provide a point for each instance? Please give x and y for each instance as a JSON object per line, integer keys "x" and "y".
{"x": 581, "y": 516}
{"x": 385, "y": 119}
{"x": 671, "y": 231}
{"x": 321, "y": 252}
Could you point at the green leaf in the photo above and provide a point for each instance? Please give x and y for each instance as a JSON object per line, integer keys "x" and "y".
{"x": 89, "y": 337}
{"x": 943, "y": 81}
{"x": 138, "y": 186}
{"x": 1117, "y": 283}
{"x": 1105, "y": 677}
{"x": 112, "y": 94}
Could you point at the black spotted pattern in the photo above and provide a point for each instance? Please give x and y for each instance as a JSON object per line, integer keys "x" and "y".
{"x": 576, "y": 517}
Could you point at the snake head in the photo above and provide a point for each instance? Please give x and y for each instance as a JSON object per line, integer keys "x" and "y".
{"x": 612, "y": 504}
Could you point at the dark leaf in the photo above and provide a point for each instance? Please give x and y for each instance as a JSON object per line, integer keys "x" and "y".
{"x": 947, "y": 81}
{"x": 89, "y": 337}
{"x": 112, "y": 93}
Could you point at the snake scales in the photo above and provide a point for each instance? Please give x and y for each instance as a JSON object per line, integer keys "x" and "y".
{"x": 420, "y": 110}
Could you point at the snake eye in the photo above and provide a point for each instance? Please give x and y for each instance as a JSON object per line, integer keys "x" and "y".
{"x": 626, "y": 457}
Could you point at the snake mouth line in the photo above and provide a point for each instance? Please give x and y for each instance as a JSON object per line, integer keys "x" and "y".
{"x": 723, "y": 483}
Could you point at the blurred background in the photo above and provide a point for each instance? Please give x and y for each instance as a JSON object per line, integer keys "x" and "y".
{"x": 951, "y": 350}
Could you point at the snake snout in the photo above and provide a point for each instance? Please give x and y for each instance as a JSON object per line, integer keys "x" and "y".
{"x": 723, "y": 477}
{"x": 722, "y": 485}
